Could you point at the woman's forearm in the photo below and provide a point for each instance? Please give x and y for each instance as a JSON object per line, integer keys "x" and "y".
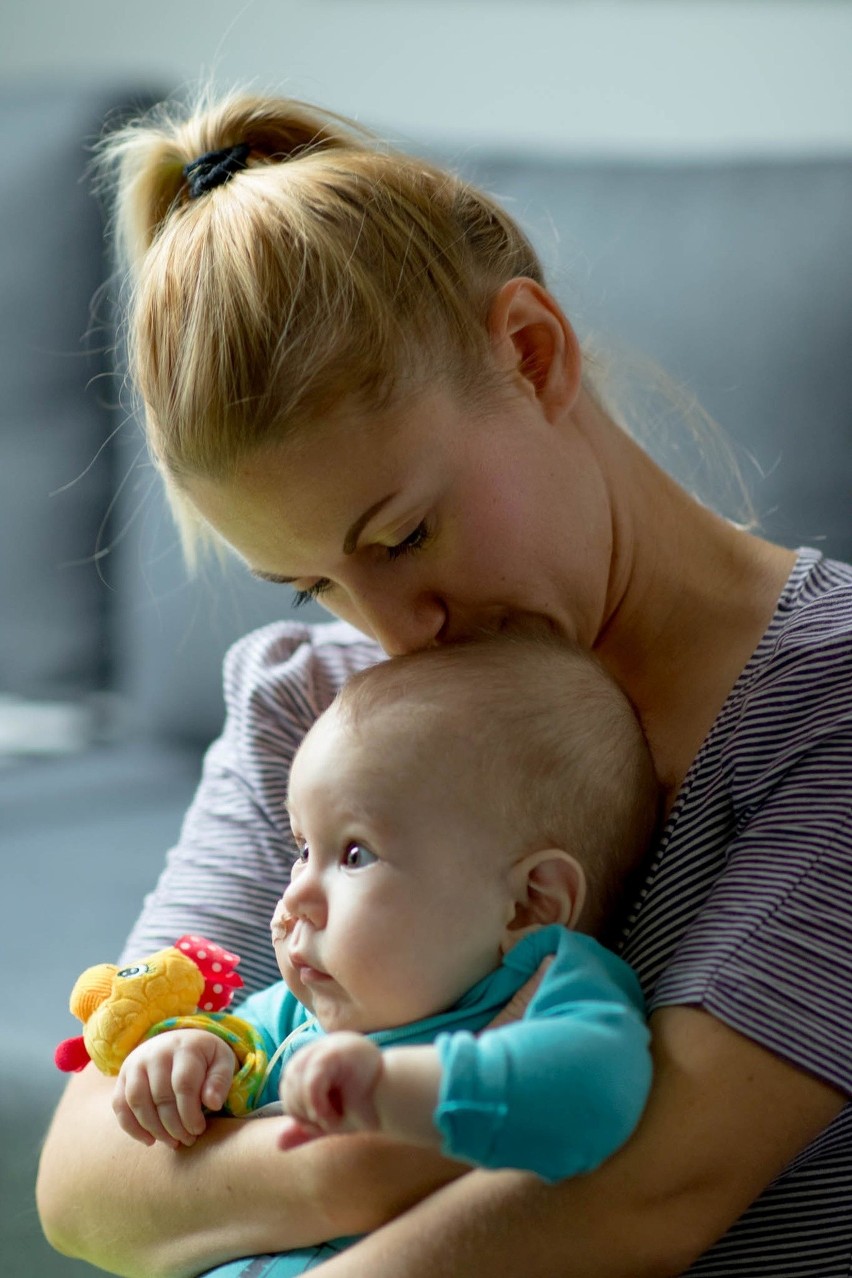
{"x": 502, "y": 1224}
{"x": 649, "y": 1211}
{"x": 156, "y": 1213}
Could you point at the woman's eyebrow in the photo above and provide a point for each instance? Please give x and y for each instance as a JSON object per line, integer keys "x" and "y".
{"x": 350, "y": 541}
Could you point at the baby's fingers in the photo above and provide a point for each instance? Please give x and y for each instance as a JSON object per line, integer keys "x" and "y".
{"x": 295, "y": 1132}
{"x": 182, "y": 1090}
{"x": 127, "y": 1120}
{"x": 220, "y": 1075}
{"x": 137, "y": 1109}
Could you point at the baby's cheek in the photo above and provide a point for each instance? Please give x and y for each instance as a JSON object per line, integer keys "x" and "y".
{"x": 288, "y": 973}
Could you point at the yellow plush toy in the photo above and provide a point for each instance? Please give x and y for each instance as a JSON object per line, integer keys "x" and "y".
{"x": 185, "y": 986}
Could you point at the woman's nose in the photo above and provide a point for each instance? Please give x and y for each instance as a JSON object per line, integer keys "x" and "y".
{"x": 402, "y": 624}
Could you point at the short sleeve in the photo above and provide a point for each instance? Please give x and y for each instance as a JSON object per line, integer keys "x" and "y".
{"x": 770, "y": 952}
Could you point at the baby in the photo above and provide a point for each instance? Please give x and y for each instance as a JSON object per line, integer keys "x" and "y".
{"x": 458, "y": 813}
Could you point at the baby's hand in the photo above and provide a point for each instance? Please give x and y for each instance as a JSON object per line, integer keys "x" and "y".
{"x": 164, "y": 1082}
{"x": 329, "y": 1087}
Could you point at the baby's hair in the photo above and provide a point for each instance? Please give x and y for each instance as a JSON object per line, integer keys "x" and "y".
{"x": 548, "y": 738}
{"x": 328, "y": 269}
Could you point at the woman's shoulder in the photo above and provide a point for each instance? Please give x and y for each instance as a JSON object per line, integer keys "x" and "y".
{"x": 295, "y": 666}
{"x": 795, "y": 696}
{"x": 816, "y": 604}
{"x": 806, "y": 651}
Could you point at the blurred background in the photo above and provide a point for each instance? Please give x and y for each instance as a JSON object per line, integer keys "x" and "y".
{"x": 685, "y": 168}
{"x": 622, "y": 77}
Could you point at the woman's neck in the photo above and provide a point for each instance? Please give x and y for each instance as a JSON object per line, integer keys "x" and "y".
{"x": 690, "y": 596}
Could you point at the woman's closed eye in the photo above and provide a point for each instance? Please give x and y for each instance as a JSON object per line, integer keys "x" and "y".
{"x": 410, "y": 544}
{"x": 415, "y": 540}
{"x": 302, "y": 597}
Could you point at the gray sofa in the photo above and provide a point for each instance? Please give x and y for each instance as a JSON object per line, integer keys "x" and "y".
{"x": 736, "y": 277}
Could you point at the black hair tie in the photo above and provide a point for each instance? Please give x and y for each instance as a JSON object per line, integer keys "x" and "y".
{"x": 214, "y": 168}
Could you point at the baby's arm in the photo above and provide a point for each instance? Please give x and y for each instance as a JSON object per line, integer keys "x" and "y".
{"x": 344, "y": 1083}
{"x": 555, "y": 1093}
{"x": 164, "y": 1082}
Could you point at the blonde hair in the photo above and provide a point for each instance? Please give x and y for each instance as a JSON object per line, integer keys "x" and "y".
{"x": 329, "y": 268}
{"x": 550, "y": 743}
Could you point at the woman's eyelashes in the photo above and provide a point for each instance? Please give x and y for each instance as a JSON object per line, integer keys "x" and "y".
{"x": 409, "y": 545}
{"x": 415, "y": 540}
{"x": 302, "y": 597}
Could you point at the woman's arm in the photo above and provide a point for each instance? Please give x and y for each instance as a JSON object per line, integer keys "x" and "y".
{"x": 723, "y": 1120}
{"x": 157, "y": 1213}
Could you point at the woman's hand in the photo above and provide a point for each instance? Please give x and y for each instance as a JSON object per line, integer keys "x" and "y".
{"x": 164, "y": 1083}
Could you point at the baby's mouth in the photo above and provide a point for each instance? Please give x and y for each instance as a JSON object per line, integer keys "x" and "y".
{"x": 307, "y": 973}
{"x": 311, "y": 975}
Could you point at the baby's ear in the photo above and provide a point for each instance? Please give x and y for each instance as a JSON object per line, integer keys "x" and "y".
{"x": 547, "y": 887}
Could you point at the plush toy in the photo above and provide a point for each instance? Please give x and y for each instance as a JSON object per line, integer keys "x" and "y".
{"x": 186, "y": 986}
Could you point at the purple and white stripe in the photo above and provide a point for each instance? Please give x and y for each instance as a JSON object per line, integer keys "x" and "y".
{"x": 745, "y": 908}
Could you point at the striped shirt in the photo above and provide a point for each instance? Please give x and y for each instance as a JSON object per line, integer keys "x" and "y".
{"x": 745, "y": 908}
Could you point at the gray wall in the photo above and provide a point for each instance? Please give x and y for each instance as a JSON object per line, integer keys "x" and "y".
{"x": 638, "y": 76}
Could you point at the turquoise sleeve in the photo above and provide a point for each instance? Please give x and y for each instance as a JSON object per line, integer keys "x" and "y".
{"x": 558, "y": 1092}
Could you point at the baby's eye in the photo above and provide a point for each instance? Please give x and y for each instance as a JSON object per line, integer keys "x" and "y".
{"x": 357, "y": 856}
{"x": 303, "y": 853}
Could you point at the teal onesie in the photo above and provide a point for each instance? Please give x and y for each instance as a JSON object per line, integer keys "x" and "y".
{"x": 555, "y": 1093}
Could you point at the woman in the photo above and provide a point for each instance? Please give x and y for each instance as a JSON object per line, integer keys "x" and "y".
{"x": 353, "y": 373}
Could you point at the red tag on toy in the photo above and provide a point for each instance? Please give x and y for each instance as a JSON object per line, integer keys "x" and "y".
{"x": 216, "y": 966}
{"x": 71, "y": 1055}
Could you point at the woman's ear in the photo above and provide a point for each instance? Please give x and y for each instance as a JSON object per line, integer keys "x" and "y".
{"x": 532, "y": 338}
{"x": 546, "y": 887}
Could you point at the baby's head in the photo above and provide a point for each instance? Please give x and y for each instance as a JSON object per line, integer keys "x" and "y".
{"x": 447, "y": 803}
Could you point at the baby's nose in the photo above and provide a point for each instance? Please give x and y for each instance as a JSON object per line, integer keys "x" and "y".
{"x": 304, "y": 899}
